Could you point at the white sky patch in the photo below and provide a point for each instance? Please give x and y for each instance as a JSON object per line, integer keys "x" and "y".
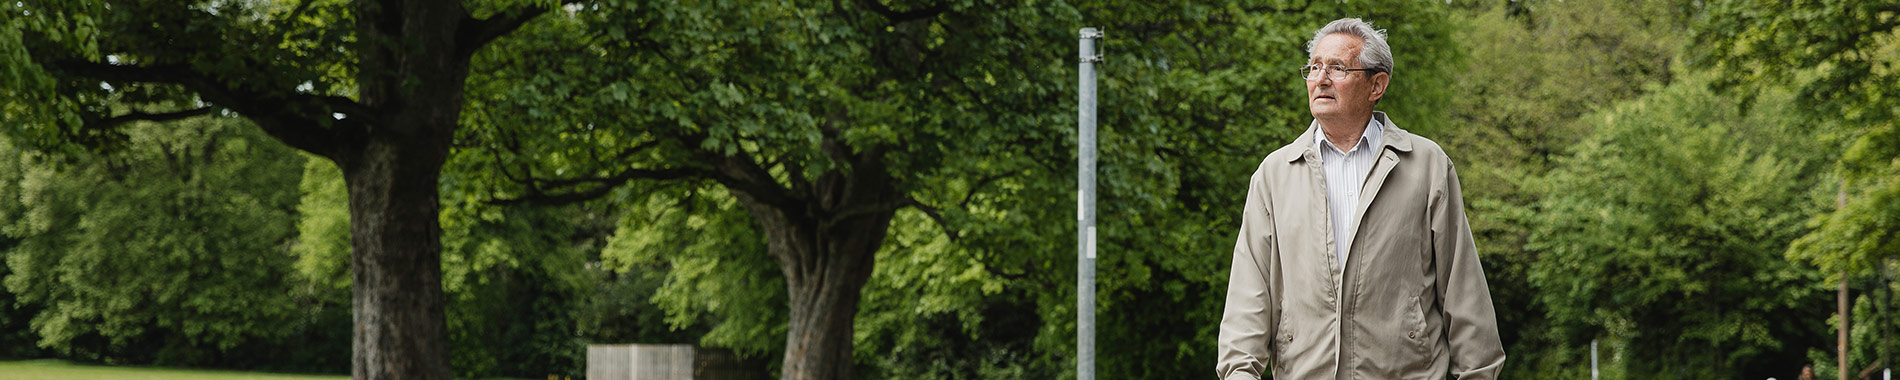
{"x": 306, "y": 87}
{"x": 338, "y": 116}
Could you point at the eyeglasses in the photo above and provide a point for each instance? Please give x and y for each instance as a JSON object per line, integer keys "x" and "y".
{"x": 1336, "y": 72}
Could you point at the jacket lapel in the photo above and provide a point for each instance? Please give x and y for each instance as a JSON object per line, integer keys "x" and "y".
{"x": 1318, "y": 192}
{"x": 1396, "y": 141}
{"x": 1388, "y": 159}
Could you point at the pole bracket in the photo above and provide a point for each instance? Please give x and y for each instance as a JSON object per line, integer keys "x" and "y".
{"x": 1093, "y": 34}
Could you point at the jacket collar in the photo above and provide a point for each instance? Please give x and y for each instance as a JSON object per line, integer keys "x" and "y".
{"x": 1395, "y": 139}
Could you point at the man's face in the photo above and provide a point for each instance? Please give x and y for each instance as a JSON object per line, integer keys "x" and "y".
{"x": 1348, "y": 98}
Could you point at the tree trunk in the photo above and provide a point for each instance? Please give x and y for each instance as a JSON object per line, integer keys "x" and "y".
{"x": 824, "y": 307}
{"x": 411, "y": 72}
{"x": 827, "y": 247}
{"x": 396, "y": 264}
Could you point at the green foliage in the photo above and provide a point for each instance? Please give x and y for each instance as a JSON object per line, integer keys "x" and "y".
{"x": 936, "y": 309}
{"x": 55, "y": 103}
{"x": 323, "y": 231}
{"x": 515, "y": 278}
{"x": 1849, "y": 42}
{"x": 1841, "y": 54}
{"x": 171, "y": 251}
{"x": 1662, "y": 232}
{"x": 1534, "y": 68}
{"x": 713, "y": 265}
{"x": 1531, "y": 72}
{"x": 621, "y": 310}
{"x": 33, "y": 103}
{"x": 1855, "y": 238}
{"x": 16, "y": 333}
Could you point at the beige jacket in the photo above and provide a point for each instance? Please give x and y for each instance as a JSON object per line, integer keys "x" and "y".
{"x": 1415, "y": 303}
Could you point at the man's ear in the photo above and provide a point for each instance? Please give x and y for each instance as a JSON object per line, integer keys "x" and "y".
{"x": 1379, "y": 81}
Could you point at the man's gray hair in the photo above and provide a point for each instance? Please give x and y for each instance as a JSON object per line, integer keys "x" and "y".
{"x": 1374, "y": 54}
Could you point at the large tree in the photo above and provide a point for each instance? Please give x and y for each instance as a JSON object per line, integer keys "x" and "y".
{"x": 374, "y": 86}
{"x": 821, "y": 119}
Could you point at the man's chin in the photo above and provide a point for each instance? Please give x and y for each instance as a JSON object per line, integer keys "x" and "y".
{"x": 1323, "y": 112}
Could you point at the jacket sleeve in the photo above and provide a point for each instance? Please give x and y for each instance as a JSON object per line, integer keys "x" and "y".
{"x": 1464, "y": 297}
{"x": 1248, "y": 323}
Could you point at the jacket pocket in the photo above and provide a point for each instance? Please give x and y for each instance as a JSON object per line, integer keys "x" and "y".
{"x": 1282, "y": 342}
{"x": 1417, "y": 333}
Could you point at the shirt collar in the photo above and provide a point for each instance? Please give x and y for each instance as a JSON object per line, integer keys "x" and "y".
{"x": 1369, "y": 138}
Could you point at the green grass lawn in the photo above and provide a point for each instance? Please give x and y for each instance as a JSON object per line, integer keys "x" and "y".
{"x": 57, "y": 369}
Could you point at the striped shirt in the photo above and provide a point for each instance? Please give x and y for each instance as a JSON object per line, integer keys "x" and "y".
{"x": 1346, "y": 174}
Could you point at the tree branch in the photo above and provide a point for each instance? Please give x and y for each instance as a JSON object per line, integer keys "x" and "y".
{"x": 935, "y": 216}
{"x": 898, "y": 17}
{"x": 979, "y": 186}
{"x": 1288, "y": 10}
{"x": 298, "y": 11}
{"x": 863, "y": 208}
{"x": 740, "y": 173}
{"x": 602, "y": 186}
{"x": 558, "y": 191}
{"x": 474, "y": 33}
{"x": 296, "y": 119}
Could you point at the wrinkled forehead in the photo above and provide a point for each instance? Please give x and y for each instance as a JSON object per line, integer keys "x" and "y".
{"x": 1336, "y": 49}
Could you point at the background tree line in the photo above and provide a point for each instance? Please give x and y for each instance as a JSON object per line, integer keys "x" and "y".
{"x": 1658, "y": 177}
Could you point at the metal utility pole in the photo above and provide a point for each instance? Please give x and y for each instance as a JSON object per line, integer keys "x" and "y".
{"x": 1085, "y": 211}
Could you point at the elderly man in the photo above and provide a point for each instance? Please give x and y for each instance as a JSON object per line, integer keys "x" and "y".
{"x": 1354, "y": 259}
